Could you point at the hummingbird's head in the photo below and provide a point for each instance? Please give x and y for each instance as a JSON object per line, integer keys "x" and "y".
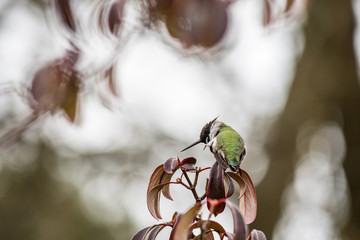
{"x": 204, "y": 135}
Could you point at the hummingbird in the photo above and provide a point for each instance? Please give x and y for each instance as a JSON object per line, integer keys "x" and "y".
{"x": 224, "y": 142}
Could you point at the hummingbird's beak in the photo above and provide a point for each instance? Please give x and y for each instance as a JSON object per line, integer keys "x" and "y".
{"x": 197, "y": 142}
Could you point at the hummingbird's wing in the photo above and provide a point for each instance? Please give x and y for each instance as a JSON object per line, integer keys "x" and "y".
{"x": 220, "y": 159}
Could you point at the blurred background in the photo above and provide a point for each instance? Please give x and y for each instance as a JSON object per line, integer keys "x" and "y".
{"x": 284, "y": 74}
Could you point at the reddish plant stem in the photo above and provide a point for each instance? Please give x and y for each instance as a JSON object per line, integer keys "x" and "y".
{"x": 192, "y": 186}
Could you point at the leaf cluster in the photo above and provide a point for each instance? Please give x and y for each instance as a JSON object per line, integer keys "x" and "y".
{"x": 219, "y": 187}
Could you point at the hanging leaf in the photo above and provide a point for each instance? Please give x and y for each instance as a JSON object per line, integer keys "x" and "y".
{"x": 181, "y": 227}
{"x": 248, "y": 201}
{"x": 230, "y": 185}
{"x": 140, "y": 235}
{"x": 240, "y": 182}
{"x": 239, "y": 225}
{"x": 149, "y": 233}
{"x": 166, "y": 189}
{"x": 216, "y": 200}
{"x": 256, "y": 235}
{"x": 153, "y": 200}
{"x": 154, "y": 232}
{"x": 156, "y": 176}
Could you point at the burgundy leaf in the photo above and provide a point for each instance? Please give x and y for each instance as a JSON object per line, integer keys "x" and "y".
{"x": 239, "y": 225}
{"x": 216, "y": 200}
{"x": 116, "y": 16}
{"x": 63, "y": 7}
{"x": 230, "y": 185}
{"x": 188, "y": 163}
{"x": 159, "y": 176}
{"x": 151, "y": 232}
{"x": 154, "y": 232}
{"x": 188, "y": 167}
{"x": 256, "y": 235}
{"x": 171, "y": 165}
{"x": 189, "y": 160}
{"x": 209, "y": 225}
{"x": 181, "y": 227}
{"x": 156, "y": 176}
{"x": 153, "y": 201}
{"x": 140, "y": 235}
{"x": 248, "y": 201}
{"x": 240, "y": 182}
{"x": 166, "y": 190}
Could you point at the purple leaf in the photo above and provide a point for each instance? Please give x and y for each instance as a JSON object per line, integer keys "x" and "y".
{"x": 230, "y": 185}
{"x": 216, "y": 200}
{"x": 166, "y": 190}
{"x": 153, "y": 200}
{"x": 154, "y": 232}
{"x": 189, "y": 160}
{"x": 151, "y": 232}
{"x": 248, "y": 201}
{"x": 161, "y": 180}
{"x": 256, "y": 235}
{"x": 156, "y": 176}
{"x": 209, "y": 225}
{"x": 181, "y": 227}
{"x": 240, "y": 182}
{"x": 171, "y": 165}
{"x": 140, "y": 235}
{"x": 239, "y": 225}
{"x": 188, "y": 163}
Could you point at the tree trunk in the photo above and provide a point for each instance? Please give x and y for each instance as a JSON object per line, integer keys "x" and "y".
{"x": 325, "y": 84}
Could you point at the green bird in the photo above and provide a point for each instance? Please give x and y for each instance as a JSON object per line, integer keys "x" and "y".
{"x": 224, "y": 142}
